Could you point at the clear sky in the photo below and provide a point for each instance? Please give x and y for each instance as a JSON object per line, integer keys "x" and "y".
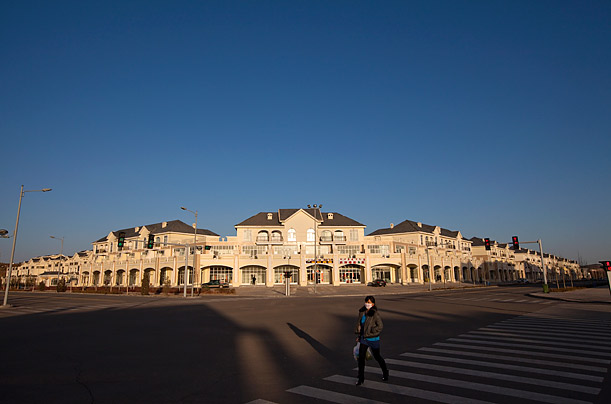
{"x": 488, "y": 117}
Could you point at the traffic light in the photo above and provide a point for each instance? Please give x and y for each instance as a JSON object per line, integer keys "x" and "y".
{"x": 121, "y": 242}
{"x": 487, "y": 243}
{"x": 606, "y": 265}
{"x": 151, "y": 242}
{"x": 515, "y": 242}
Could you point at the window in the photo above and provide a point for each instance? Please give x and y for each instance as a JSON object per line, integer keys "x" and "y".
{"x": 339, "y": 235}
{"x": 311, "y": 236}
{"x": 165, "y": 239}
{"x": 253, "y": 250}
{"x": 285, "y": 251}
{"x": 262, "y": 236}
{"x": 224, "y": 274}
{"x": 292, "y": 235}
{"x": 379, "y": 249}
{"x": 354, "y": 235}
{"x": 277, "y": 236}
{"x": 247, "y": 235}
{"x": 326, "y": 236}
{"x": 348, "y": 249}
{"x": 222, "y": 249}
{"x": 253, "y": 275}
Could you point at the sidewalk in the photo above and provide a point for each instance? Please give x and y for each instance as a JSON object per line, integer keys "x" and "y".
{"x": 598, "y": 294}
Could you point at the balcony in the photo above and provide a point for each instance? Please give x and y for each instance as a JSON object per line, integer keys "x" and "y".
{"x": 268, "y": 240}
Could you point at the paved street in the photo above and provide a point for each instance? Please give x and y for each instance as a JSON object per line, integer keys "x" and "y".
{"x": 500, "y": 345}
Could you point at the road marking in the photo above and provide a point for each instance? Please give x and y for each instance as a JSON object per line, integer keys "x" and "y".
{"x": 509, "y": 367}
{"x": 332, "y": 396}
{"x": 561, "y": 321}
{"x": 499, "y": 376}
{"x": 466, "y": 338}
{"x": 530, "y": 328}
{"x": 517, "y": 359}
{"x": 505, "y": 391}
{"x": 408, "y": 391}
{"x": 475, "y": 334}
{"x": 530, "y": 353}
{"x": 260, "y": 401}
{"x": 546, "y": 338}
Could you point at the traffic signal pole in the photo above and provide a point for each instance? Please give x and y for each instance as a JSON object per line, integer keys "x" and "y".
{"x": 545, "y": 285}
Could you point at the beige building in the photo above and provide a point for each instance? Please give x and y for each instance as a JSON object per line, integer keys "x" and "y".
{"x": 305, "y": 244}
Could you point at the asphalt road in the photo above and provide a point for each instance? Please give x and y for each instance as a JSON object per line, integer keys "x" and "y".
{"x": 487, "y": 345}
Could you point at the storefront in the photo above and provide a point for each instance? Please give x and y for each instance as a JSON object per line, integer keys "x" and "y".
{"x": 350, "y": 274}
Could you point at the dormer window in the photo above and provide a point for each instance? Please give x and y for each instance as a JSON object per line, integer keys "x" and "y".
{"x": 269, "y": 216}
{"x": 330, "y": 216}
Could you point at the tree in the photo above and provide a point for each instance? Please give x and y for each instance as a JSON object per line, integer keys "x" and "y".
{"x": 146, "y": 284}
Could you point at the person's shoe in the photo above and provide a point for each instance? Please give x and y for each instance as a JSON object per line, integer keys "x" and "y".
{"x": 385, "y": 377}
{"x": 359, "y": 382}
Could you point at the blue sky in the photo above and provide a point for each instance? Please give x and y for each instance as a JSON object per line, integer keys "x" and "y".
{"x": 488, "y": 117}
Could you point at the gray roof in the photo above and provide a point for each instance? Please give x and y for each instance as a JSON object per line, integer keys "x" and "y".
{"x": 174, "y": 226}
{"x": 409, "y": 226}
{"x": 277, "y": 218}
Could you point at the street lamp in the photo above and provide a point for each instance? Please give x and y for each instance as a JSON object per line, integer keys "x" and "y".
{"x": 316, "y": 207}
{"x": 61, "y": 254}
{"x": 186, "y": 252}
{"x": 10, "y": 267}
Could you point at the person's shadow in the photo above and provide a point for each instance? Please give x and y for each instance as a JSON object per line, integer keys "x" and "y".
{"x": 318, "y": 347}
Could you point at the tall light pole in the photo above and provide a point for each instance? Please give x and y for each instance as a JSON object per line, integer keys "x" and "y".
{"x": 10, "y": 266}
{"x": 61, "y": 254}
{"x": 194, "y": 249}
{"x": 316, "y": 208}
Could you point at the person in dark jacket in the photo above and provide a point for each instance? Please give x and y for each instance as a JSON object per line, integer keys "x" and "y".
{"x": 369, "y": 327}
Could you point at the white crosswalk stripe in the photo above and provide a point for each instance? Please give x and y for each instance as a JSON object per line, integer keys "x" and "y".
{"x": 536, "y": 357}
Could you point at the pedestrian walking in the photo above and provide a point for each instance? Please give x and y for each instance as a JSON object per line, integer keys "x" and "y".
{"x": 369, "y": 327}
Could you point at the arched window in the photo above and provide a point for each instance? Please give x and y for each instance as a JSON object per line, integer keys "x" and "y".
{"x": 263, "y": 236}
{"x": 276, "y": 236}
{"x": 292, "y": 235}
{"x": 339, "y": 235}
{"x": 326, "y": 236}
{"x": 311, "y": 236}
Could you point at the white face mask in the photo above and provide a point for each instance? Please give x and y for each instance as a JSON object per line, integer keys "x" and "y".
{"x": 368, "y": 306}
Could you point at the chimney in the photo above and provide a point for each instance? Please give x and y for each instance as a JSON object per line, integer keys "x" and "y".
{"x": 136, "y": 229}
{"x": 392, "y": 225}
{"x": 419, "y": 224}
{"x": 269, "y": 216}
{"x": 164, "y": 225}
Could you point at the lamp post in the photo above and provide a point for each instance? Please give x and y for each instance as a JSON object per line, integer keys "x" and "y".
{"x": 316, "y": 208}
{"x": 187, "y": 253}
{"x": 61, "y": 254}
{"x": 10, "y": 266}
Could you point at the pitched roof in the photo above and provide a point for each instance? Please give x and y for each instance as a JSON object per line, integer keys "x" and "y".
{"x": 174, "y": 226}
{"x": 407, "y": 226}
{"x": 323, "y": 218}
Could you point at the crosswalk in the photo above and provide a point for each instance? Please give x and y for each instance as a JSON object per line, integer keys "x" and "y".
{"x": 558, "y": 354}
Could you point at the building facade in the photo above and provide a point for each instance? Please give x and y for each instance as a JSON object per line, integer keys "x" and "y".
{"x": 306, "y": 244}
